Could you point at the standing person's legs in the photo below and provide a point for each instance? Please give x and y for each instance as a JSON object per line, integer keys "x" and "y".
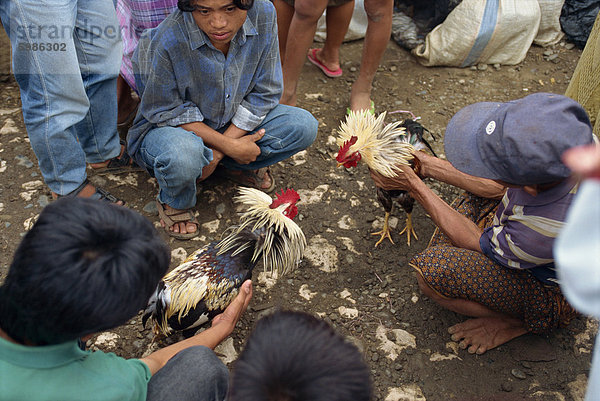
{"x": 300, "y": 37}
{"x": 53, "y": 93}
{"x": 99, "y": 49}
{"x": 379, "y": 29}
{"x": 288, "y": 130}
{"x": 285, "y": 13}
{"x": 337, "y": 19}
{"x": 195, "y": 373}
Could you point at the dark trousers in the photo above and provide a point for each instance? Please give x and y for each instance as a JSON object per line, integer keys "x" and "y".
{"x": 195, "y": 373}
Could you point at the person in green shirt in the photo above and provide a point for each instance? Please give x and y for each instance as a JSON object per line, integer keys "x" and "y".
{"x": 87, "y": 266}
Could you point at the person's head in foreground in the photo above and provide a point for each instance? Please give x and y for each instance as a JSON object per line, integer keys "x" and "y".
{"x": 84, "y": 267}
{"x": 520, "y": 142}
{"x": 294, "y": 356}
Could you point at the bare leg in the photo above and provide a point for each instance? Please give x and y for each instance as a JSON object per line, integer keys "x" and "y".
{"x": 338, "y": 19}
{"x": 285, "y": 12}
{"x": 300, "y": 37}
{"x": 488, "y": 330}
{"x": 125, "y": 100}
{"x": 379, "y": 28}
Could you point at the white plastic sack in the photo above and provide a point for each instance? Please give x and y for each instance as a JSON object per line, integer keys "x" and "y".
{"x": 549, "y": 32}
{"x": 356, "y": 30}
{"x": 482, "y": 31}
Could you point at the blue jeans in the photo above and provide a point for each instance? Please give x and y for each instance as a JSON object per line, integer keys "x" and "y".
{"x": 66, "y": 59}
{"x": 176, "y": 157}
{"x": 194, "y": 374}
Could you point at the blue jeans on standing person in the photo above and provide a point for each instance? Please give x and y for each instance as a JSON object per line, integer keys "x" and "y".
{"x": 176, "y": 157}
{"x": 66, "y": 57}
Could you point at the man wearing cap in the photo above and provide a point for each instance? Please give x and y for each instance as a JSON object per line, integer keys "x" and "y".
{"x": 492, "y": 259}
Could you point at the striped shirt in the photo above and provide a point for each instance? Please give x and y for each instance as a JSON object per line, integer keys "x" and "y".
{"x": 183, "y": 78}
{"x": 135, "y": 16}
{"x": 525, "y": 228}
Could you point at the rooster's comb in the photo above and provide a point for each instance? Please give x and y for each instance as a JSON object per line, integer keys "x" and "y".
{"x": 345, "y": 147}
{"x": 287, "y": 196}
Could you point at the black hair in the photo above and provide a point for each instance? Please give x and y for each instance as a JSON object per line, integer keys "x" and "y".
{"x": 85, "y": 266}
{"x": 294, "y": 356}
{"x": 188, "y": 6}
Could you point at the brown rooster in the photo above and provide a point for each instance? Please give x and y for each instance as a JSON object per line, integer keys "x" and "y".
{"x": 208, "y": 280}
{"x": 383, "y": 148}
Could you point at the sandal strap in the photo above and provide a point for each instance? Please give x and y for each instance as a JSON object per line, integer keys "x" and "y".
{"x": 99, "y": 194}
{"x": 104, "y": 195}
{"x": 172, "y": 217}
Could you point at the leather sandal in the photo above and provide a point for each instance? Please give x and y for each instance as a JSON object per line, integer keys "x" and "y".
{"x": 99, "y": 194}
{"x": 250, "y": 178}
{"x": 118, "y": 165}
{"x": 171, "y": 217}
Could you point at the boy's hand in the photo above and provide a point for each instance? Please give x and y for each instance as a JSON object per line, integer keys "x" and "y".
{"x": 246, "y": 150}
{"x": 236, "y": 308}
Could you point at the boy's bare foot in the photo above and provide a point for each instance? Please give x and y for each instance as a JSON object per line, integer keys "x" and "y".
{"x": 482, "y": 334}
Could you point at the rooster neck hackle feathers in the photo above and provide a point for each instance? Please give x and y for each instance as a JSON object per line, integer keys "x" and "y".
{"x": 381, "y": 147}
{"x": 284, "y": 242}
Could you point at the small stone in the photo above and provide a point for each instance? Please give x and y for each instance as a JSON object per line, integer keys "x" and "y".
{"x": 506, "y": 387}
{"x": 352, "y": 69}
{"x": 7, "y": 224}
{"x": 526, "y": 364}
{"x": 375, "y": 357}
{"x": 519, "y": 374}
{"x": 569, "y": 46}
{"x": 150, "y": 208}
{"x": 43, "y": 200}
{"x": 349, "y": 259}
{"x": 24, "y": 161}
{"x": 552, "y": 57}
{"x": 220, "y": 209}
{"x": 548, "y": 53}
{"x": 482, "y": 67}
{"x": 497, "y": 66}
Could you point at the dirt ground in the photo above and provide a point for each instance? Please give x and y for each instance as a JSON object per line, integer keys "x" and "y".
{"x": 370, "y": 295}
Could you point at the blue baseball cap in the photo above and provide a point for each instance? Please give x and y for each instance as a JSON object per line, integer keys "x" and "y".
{"x": 519, "y": 142}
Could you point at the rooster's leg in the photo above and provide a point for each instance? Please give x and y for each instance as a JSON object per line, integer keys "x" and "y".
{"x": 409, "y": 228}
{"x": 385, "y": 231}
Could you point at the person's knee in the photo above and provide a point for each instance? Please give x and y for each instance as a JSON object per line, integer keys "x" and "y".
{"x": 376, "y": 10}
{"x": 309, "y": 11}
{"x": 305, "y": 126}
{"x": 184, "y": 160}
{"x": 425, "y": 288}
{"x": 194, "y": 373}
{"x": 213, "y": 370}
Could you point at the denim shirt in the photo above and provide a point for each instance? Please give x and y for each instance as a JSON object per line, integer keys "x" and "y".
{"x": 181, "y": 77}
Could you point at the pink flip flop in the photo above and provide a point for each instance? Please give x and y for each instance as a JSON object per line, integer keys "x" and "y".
{"x": 312, "y": 57}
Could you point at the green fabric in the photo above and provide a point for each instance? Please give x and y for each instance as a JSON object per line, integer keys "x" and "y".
{"x": 64, "y": 372}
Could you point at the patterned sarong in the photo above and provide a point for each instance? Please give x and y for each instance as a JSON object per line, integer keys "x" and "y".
{"x": 464, "y": 274}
